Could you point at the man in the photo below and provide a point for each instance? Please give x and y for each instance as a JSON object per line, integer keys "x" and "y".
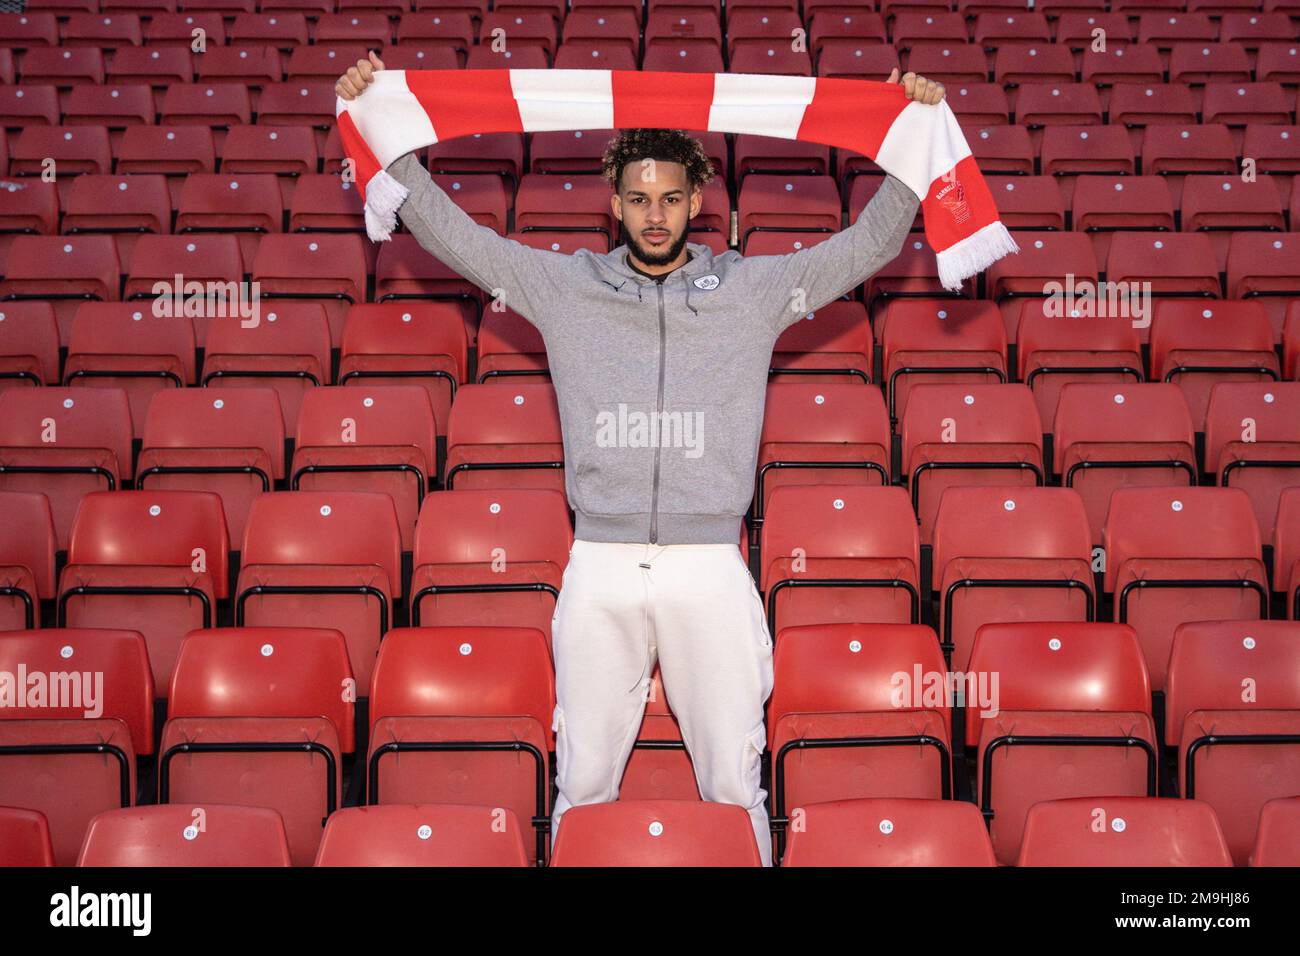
{"x": 659, "y": 353}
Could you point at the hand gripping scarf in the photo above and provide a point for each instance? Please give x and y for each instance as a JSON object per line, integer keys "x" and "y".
{"x": 921, "y": 145}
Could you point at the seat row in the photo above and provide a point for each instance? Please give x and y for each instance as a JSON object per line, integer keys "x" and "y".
{"x": 864, "y": 832}
{"x": 265, "y": 716}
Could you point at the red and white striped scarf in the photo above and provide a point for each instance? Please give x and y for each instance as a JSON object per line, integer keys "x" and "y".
{"x": 921, "y": 145}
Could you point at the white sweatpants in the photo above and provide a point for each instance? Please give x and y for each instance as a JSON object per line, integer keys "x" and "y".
{"x": 696, "y": 609}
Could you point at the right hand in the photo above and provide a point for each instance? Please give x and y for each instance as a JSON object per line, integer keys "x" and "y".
{"x": 356, "y": 79}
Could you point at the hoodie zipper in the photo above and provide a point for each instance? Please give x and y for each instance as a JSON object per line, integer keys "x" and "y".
{"x": 654, "y": 495}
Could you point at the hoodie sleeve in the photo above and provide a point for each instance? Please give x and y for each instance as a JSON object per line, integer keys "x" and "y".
{"x": 524, "y": 278}
{"x": 801, "y": 282}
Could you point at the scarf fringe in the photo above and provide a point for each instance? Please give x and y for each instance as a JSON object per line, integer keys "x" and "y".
{"x": 974, "y": 254}
{"x": 384, "y": 196}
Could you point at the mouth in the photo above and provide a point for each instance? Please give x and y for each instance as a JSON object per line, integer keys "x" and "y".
{"x": 655, "y": 237}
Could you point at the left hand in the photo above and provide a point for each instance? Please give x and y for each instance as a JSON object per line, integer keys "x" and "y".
{"x": 919, "y": 88}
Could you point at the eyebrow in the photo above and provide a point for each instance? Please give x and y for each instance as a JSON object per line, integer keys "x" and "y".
{"x": 638, "y": 192}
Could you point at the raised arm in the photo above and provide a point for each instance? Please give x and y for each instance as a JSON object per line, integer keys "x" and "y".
{"x": 522, "y": 277}
{"x": 801, "y": 282}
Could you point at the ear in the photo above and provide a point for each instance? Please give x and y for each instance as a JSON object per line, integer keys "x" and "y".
{"x": 697, "y": 200}
{"x": 616, "y": 204}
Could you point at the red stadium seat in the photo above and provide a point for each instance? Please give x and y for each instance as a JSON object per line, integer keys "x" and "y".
{"x": 31, "y": 206}
{"x": 1196, "y": 345}
{"x": 373, "y": 438}
{"x": 324, "y": 203}
{"x": 839, "y": 553}
{"x": 490, "y": 557}
{"x": 956, "y": 435}
{"x": 1237, "y": 104}
{"x": 656, "y": 833}
{"x": 285, "y": 347}
{"x": 160, "y": 66}
{"x": 1149, "y": 104}
{"x": 29, "y": 344}
{"x": 1233, "y": 712}
{"x": 1178, "y": 148}
{"x": 228, "y": 442}
{"x": 27, "y": 552}
{"x": 1002, "y": 150}
{"x": 1044, "y": 258}
{"x": 802, "y": 203}
{"x": 1198, "y": 62}
{"x": 175, "y": 835}
{"x": 1252, "y": 441}
{"x": 464, "y": 715}
{"x": 1181, "y": 264}
{"x": 983, "y": 104}
{"x": 77, "y": 759}
{"x": 31, "y": 104}
{"x": 174, "y": 151}
{"x": 564, "y": 202}
{"x": 505, "y": 437}
{"x": 427, "y": 834}
{"x": 213, "y": 273}
{"x": 321, "y": 267}
{"x": 260, "y": 717}
{"x": 1009, "y": 553}
{"x": 820, "y": 433}
{"x": 64, "y": 270}
{"x": 889, "y": 832}
{"x": 1068, "y": 716}
{"x": 843, "y": 724}
{"x": 1277, "y": 843}
{"x": 1029, "y": 202}
{"x": 282, "y": 29}
{"x": 940, "y": 341}
{"x": 1122, "y": 63}
{"x": 510, "y": 349}
{"x": 151, "y": 561}
{"x": 283, "y": 150}
{"x": 951, "y": 62}
{"x": 1054, "y": 104}
{"x": 830, "y": 344}
{"x": 1058, "y": 346}
{"x": 1121, "y": 436}
{"x": 64, "y": 443}
{"x": 412, "y": 343}
{"x": 64, "y": 67}
{"x": 131, "y": 347}
{"x": 1108, "y": 149}
{"x": 218, "y": 105}
{"x": 24, "y": 838}
{"x": 1180, "y": 554}
{"x": 1123, "y": 831}
{"x": 1264, "y": 268}
{"x": 323, "y": 559}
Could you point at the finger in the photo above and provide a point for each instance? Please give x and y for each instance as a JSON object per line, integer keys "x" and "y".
{"x": 893, "y": 76}
{"x": 374, "y": 58}
{"x": 939, "y": 93}
{"x": 926, "y": 91}
{"x": 345, "y": 89}
{"x": 366, "y": 70}
{"x": 909, "y": 84}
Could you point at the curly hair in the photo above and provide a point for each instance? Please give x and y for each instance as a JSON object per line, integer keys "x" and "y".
{"x": 664, "y": 145}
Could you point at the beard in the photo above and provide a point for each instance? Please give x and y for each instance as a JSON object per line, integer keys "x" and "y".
{"x": 648, "y": 255}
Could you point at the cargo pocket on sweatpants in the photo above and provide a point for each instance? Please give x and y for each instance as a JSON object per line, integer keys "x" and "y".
{"x": 561, "y": 740}
{"x": 758, "y": 614}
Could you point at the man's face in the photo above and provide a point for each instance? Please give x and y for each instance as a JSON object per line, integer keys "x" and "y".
{"x": 655, "y": 205}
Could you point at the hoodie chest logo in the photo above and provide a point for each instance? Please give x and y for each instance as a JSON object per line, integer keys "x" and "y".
{"x": 708, "y": 283}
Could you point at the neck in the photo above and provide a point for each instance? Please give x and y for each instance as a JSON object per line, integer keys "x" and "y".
{"x": 658, "y": 270}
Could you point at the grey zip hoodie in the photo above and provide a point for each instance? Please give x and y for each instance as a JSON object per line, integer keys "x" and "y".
{"x": 661, "y": 385}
